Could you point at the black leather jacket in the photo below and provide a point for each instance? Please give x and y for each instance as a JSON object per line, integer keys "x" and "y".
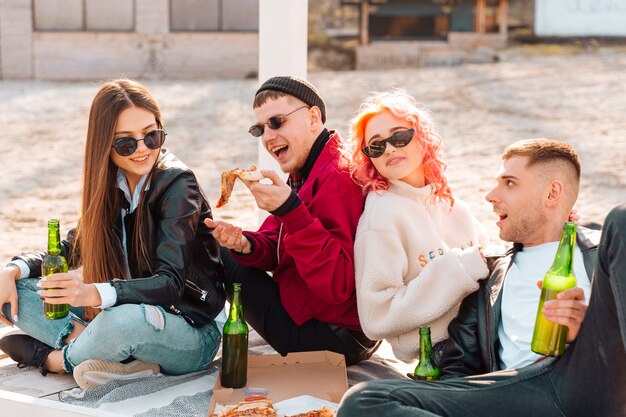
{"x": 473, "y": 346}
{"x": 182, "y": 271}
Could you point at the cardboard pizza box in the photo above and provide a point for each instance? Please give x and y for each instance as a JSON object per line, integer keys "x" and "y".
{"x": 321, "y": 374}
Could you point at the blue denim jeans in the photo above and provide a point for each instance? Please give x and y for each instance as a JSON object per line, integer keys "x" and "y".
{"x": 145, "y": 332}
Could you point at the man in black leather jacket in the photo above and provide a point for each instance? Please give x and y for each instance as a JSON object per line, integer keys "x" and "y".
{"x": 590, "y": 379}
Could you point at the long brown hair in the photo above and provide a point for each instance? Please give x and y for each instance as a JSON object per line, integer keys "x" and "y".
{"x": 99, "y": 247}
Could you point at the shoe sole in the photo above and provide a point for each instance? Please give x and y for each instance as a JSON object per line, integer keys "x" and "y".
{"x": 94, "y": 372}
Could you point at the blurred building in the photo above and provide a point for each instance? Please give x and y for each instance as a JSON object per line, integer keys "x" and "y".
{"x": 580, "y": 18}
{"x": 397, "y": 33}
{"x": 99, "y": 39}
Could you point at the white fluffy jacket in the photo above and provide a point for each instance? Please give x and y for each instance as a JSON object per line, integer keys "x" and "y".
{"x": 415, "y": 260}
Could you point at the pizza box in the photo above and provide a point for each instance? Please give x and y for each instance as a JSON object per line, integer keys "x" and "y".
{"x": 321, "y": 374}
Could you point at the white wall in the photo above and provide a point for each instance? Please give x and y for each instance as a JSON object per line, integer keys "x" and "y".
{"x": 102, "y": 55}
{"x": 16, "y": 47}
{"x": 282, "y": 51}
{"x": 150, "y": 50}
{"x": 580, "y": 17}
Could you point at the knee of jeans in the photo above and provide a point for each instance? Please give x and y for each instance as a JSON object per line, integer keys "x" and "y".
{"x": 128, "y": 318}
{"x": 116, "y": 319}
{"x": 155, "y": 316}
{"x": 351, "y": 403}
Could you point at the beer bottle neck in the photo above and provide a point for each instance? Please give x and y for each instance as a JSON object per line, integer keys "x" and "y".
{"x": 54, "y": 238}
{"x": 425, "y": 347}
{"x": 563, "y": 264}
{"x": 236, "y": 309}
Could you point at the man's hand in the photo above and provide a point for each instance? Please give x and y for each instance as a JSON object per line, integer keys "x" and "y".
{"x": 574, "y": 216}
{"x": 228, "y": 235}
{"x": 68, "y": 288}
{"x": 269, "y": 196}
{"x": 568, "y": 309}
{"x": 8, "y": 292}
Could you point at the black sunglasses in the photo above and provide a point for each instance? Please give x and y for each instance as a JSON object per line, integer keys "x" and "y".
{"x": 127, "y": 145}
{"x": 397, "y": 140}
{"x": 274, "y": 122}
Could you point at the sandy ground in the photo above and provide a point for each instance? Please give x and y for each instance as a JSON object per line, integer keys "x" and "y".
{"x": 479, "y": 109}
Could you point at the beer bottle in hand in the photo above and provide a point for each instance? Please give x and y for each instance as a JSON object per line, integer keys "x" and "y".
{"x": 426, "y": 368}
{"x": 549, "y": 337}
{"x": 235, "y": 345}
{"x": 52, "y": 263}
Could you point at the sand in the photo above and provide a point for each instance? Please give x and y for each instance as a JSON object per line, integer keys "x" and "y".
{"x": 479, "y": 110}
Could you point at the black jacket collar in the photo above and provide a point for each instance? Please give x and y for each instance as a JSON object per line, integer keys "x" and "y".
{"x": 315, "y": 152}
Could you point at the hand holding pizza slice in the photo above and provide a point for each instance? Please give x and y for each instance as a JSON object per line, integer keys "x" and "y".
{"x": 228, "y": 181}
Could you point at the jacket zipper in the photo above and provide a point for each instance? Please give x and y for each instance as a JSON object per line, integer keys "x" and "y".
{"x": 490, "y": 335}
{"x": 194, "y": 286}
{"x": 280, "y": 233}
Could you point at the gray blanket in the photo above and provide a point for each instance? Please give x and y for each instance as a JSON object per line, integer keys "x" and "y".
{"x": 197, "y": 404}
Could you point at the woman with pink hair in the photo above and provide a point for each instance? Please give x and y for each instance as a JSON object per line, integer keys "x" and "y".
{"x": 417, "y": 249}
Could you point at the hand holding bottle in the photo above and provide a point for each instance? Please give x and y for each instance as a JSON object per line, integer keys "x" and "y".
{"x": 568, "y": 309}
{"x": 550, "y": 337}
{"x": 68, "y": 288}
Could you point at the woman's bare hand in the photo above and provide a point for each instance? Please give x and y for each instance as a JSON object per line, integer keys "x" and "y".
{"x": 8, "y": 293}
{"x": 68, "y": 288}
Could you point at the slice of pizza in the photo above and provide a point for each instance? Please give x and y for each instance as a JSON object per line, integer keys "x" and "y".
{"x": 322, "y": 412}
{"x": 228, "y": 181}
{"x": 256, "y": 408}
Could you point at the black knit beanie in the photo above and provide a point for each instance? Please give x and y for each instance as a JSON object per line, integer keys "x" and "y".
{"x": 297, "y": 87}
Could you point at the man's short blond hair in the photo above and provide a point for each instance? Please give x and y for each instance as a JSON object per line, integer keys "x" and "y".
{"x": 553, "y": 159}
{"x": 544, "y": 151}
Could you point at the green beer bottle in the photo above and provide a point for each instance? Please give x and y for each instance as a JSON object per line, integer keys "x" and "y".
{"x": 52, "y": 263}
{"x": 426, "y": 369}
{"x": 548, "y": 337}
{"x": 235, "y": 345}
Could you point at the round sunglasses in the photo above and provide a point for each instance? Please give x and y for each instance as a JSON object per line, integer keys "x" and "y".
{"x": 274, "y": 123}
{"x": 127, "y": 145}
{"x": 398, "y": 140}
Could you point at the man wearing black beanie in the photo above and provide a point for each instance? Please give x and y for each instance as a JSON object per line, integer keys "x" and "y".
{"x": 307, "y": 243}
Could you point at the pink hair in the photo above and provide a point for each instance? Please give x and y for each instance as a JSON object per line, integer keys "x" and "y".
{"x": 402, "y": 106}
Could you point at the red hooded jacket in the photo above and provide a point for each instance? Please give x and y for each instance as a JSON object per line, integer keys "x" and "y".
{"x": 310, "y": 250}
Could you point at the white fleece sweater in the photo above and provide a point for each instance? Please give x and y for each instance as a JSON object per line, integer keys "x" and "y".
{"x": 415, "y": 261}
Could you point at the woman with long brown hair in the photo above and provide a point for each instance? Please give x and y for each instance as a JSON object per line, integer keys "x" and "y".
{"x": 149, "y": 288}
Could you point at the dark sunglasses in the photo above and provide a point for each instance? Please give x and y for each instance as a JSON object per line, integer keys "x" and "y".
{"x": 274, "y": 122}
{"x": 397, "y": 140}
{"x": 127, "y": 145}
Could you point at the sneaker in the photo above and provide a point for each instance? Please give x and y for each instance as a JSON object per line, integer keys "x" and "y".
{"x": 96, "y": 372}
{"x": 26, "y": 351}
